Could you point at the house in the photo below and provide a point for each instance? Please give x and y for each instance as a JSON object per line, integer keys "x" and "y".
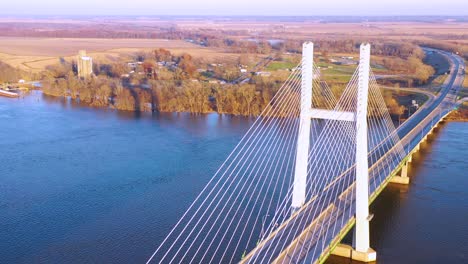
{"x": 262, "y": 73}
{"x": 344, "y": 61}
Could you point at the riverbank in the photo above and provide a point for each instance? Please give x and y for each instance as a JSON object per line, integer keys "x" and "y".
{"x": 461, "y": 114}
{"x": 458, "y": 115}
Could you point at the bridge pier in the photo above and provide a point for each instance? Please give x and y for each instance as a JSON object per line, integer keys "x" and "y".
{"x": 347, "y": 251}
{"x": 403, "y": 177}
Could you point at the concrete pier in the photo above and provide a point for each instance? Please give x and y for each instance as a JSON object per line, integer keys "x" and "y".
{"x": 402, "y": 178}
{"x": 347, "y": 251}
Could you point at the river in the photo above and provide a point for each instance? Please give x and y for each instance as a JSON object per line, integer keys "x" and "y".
{"x": 85, "y": 185}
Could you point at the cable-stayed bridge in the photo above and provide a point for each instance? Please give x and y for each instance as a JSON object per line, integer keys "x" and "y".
{"x": 305, "y": 173}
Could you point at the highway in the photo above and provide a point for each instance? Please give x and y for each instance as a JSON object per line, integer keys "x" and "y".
{"x": 317, "y": 231}
{"x": 430, "y": 96}
{"x": 445, "y": 101}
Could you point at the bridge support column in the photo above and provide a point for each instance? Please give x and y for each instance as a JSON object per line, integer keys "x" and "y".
{"x": 303, "y": 140}
{"x": 403, "y": 177}
{"x": 363, "y": 252}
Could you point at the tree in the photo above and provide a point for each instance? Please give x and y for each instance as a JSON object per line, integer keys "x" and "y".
{"x": 186, "y": 65}
{"x": 86, "y": 92}
{"x": 148, "y": 68}
{"x": 394, "y": 107}
{"x": 325, "y": 55}
{"x": 248, "y": 93}
{"x": 162, "y": 55}
{"x": 145, "y": 100}
{"x": 124, "y": 99}
{"x": 103, "y": 94}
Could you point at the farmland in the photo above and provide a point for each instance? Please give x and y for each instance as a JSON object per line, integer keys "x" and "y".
{"x": 35, "y": 54}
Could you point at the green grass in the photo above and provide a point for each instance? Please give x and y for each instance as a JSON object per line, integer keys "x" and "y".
{"x": 337, "y": 73}
{"x": 340, "y": 73}
{"x": 280, "y": 65}
{"x": 336, "y": 78}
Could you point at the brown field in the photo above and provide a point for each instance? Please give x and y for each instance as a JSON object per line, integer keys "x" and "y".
{"x": 34, "y": 54}
{"x": 54, "y": 47}
{"x": 310, "y": 29}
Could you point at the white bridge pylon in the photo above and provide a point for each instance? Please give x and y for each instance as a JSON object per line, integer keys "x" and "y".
{"x": 307, "y": 112}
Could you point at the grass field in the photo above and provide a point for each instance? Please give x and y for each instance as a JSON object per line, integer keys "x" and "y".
{"x": 280, "y": 65}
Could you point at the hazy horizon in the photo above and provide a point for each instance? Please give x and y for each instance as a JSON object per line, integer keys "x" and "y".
{"x": 236, "y": 8}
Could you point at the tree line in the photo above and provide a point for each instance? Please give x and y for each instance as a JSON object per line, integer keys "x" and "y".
{"x": 166, "y": 96}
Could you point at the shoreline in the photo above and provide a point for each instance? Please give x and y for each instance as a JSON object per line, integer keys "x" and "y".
{"x": 460, "y": 115}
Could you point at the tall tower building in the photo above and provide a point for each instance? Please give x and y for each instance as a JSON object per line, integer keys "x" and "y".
{"x": 85, "y": 65}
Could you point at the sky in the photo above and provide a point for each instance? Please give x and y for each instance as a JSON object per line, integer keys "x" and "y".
{"x": 236, "y": 7}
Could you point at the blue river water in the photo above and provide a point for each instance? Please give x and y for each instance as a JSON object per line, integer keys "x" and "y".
{"x": 85, "y": 185}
